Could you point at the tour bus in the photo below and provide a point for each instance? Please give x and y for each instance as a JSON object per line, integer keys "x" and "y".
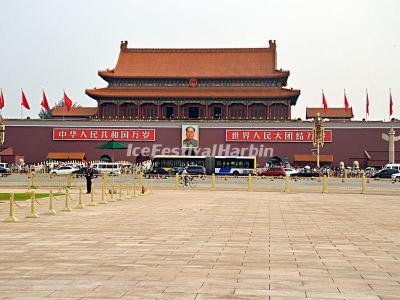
{"x": 235, "y": 165}
{"x": 219, "y": 165}
{"x": 107, "y": 168}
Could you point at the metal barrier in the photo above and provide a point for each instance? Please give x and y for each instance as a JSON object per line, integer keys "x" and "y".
{"x": 293, "y": 184}
{"x": 73, "y": 196}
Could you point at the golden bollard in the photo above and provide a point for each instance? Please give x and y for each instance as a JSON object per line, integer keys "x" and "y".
{"x": 141, "y": 184}
{"x": 150, "y": 188}
{"x": 33, "y": 213}
{"x": 363, "y": 184}
{"x": 135, "y": 195}
{"x": 92, "y": 202}
{"x": 127, "y": 195}
{"x": 80, "y": 203}
{"x": 213, "y": 180}
{"x": 51, "y": 210}
{"x": 103, "y": 199}
{"x": 112, "y": 194}
{"x": 120, "y": 193}
{"x": 324, "y": 184}
{"x": 345, "y": 175}
{"x": 250, "y": 184}
{"x": 177, "y": 181}
{"x": 69, "y": 180}
{"x": 66, "y": 207}
{"x": 287, "y": 190}
{"x": 11, "y": 218}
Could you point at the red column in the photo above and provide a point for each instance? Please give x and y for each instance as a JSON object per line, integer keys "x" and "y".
{"x": 158, "y": 111}
{"x": 247, "y": 111}
{"x": 289, "y": 111}
{"x": 206, "y": 110}
{"x": 226, "y": 111}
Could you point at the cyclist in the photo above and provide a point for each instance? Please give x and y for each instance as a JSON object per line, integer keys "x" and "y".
{"x": 186, "y": 176}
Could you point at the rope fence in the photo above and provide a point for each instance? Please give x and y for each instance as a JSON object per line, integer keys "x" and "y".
{"x": 70, "y": 197}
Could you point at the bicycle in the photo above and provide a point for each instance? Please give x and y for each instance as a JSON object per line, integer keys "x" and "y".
{"x": 187, "y": 181}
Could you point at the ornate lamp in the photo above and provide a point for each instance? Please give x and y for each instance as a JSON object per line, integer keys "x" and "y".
{"x": 318, "y": 135}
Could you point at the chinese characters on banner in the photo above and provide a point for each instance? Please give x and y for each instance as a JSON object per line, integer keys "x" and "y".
{"x": 83, "y": 134}
{"x": 280, "y": 135}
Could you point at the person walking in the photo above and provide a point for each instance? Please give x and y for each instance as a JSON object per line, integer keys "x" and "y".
{"x": 89, "y": 177}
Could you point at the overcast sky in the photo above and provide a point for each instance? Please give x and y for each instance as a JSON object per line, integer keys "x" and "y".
{"x": 330, "y": 45}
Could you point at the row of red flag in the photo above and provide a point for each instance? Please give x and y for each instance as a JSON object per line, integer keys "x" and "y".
{"x": 68, "y": 102}
{"x": 45, "y": 104}
{"x": 347, "y": 106}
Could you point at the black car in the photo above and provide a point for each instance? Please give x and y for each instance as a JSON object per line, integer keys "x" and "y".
{"x": 4, "y": 172}
{"x": 385, "y": 173}
{"x": 155, "y": 171}
{"x": 306, "y": 173}
{"x": 83, "y": 171}
{"x": 195, "y": 170}
{"x": 176, "y": 170}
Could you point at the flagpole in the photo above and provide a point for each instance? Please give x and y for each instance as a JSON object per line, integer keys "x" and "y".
{"x": 63, "y": 102}
{"x": 21, "y": 103}
{"x": 366, "y": 105}
{"x": 390, "y": 102}
{"x": 344, "y": 114}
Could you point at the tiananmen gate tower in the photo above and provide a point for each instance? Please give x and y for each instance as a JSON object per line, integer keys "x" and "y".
{"x": 241, "y": 83}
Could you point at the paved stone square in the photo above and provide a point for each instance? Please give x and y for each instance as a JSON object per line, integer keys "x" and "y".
{"x": 208, "y": 245}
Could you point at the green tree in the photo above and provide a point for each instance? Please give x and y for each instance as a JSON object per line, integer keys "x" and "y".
{"x": 43, "y": 114}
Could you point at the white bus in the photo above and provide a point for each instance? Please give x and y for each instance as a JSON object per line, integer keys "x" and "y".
{"x": 235, "y": 165}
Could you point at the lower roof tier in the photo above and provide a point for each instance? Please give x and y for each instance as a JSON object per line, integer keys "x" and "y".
{"x": 111, "y": 92}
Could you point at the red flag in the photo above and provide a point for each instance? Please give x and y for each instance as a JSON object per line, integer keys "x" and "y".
{"x": 24, "y": 102}
{"x": 367, "y": 105}
{"x": 346, "y": 103}
{"x": 391, "y": 105}
{"x": 1, "y": 100}
{"x": 324, "y": 103}
{"x": 44, "y": 103}
{"x": 67, "y": 101}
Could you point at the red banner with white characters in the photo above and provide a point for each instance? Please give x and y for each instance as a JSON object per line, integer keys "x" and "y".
{"x": 83, "y": 134}
{"x": 274, "y": 136}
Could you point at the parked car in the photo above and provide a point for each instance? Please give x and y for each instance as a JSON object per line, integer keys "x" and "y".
{"x": 65, "y": 170}
{"x": 273, "y": 171}
{"x": 108, "y": 168}
{"x": 176, "y": 170}
{"x": 307, "y": 173}
{"x": 83, "y": 171}
{"x": 155, "y": 171}
{"x": 385, "y": 173}
{"x": 195, "y": 170}
{"x": 4, "y": 172}
{"x": 291, "y": 172}
{"x": 5, "y": 166}
{"x": 396, "y": 177}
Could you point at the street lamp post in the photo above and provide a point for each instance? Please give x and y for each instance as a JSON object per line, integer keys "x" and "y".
{"x": 2, "y": 132}
{"x": 318, "y": 135}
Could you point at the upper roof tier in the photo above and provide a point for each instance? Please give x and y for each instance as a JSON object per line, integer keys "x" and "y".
{"x": 193, "y": 93}
{"x": 198, "y": 63}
